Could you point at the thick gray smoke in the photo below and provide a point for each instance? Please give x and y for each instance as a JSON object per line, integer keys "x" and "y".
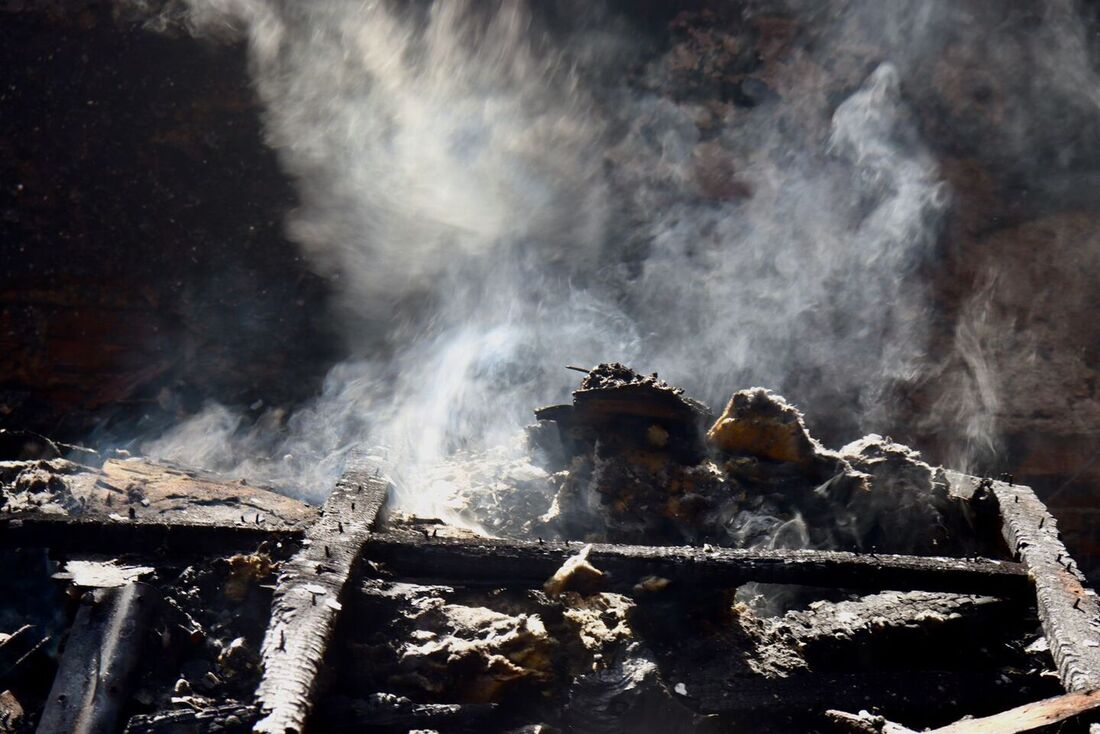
{"x": 501, "y": 189}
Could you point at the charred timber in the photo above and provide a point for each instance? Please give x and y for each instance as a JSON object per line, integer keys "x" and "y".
{"x": 96, "y": 534}
{"x": 1068, "y": 610}
{"x": 231, "y": 717}
{"x": 530, "y": 563}
{"x": 308, "y": 599}
{"x": 1029, "y": 717}
{"x": 334, "y": 715}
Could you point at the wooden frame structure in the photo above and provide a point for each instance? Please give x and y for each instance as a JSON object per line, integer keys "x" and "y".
{"x": 311, "y": 587}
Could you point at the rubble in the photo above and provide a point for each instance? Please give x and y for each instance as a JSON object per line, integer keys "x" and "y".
{"x": 759, "y": 423}
{"x": 635, "y": 460}
{"x": 420, "y": 624}
{"x": 11, "y": 713}
{"x": 147, "y": 489}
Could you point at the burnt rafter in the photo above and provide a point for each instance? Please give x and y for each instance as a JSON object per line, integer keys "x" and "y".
{"x": 308, "y": 597}
{"x": 529, "y": 563}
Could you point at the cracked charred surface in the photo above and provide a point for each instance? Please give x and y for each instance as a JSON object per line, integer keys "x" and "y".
{"x": 605, "y": 662}
{"x": 308, "y": 598}
{"x": 143, "y": 490}
{"x": 1069, "y": 611}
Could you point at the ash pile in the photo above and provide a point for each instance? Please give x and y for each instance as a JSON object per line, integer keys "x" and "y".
{"x": 634, "y": 460}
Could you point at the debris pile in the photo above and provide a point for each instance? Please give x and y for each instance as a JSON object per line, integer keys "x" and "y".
{"x": 264, "y": 611}
{"x": 632, "y": 459}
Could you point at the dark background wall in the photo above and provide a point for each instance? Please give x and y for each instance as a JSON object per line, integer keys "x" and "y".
{"x": 143, "y": 262}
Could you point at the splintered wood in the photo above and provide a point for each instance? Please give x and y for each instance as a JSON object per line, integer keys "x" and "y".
{"x": 308, "y": 600}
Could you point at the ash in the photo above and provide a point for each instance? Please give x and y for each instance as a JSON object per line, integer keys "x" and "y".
{"x": 633, "y": 460}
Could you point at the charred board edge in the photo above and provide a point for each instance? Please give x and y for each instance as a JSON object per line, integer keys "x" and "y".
{"x": 308, "y": 599}
{"x": 215, "y": 718}
{"x": 332, "y": 714}
{"x": 97, "y": 534}
{"x": 1029, "y": 717}
{"x": 1068, "y": 610}
{"x": 530, "y": 563}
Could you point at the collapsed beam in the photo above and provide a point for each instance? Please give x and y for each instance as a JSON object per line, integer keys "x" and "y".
{"x": 531, "y": 563}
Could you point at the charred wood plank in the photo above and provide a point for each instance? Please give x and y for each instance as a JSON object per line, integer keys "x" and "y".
{"x": 308, "y": 600}
{"x": 1068, "y": 610}
{"x": 147, "y": 537}
{"x": 229, "y": 718}
{"x": 527, "y": 563}
{"x": 101, "y": 654}
{"x": 1029, "y": 717}
{"x": 530, "y": 563}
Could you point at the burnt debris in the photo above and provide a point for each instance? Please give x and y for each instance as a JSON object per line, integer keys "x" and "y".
{"x": 634, "y": 460}
{"x": 662, "y": 569}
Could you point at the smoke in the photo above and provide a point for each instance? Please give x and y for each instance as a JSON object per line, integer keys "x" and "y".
{"x": 504, "y": 188}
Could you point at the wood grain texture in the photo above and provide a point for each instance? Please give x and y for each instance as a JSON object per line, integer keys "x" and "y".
{"x": 1029, "y": 717}
{"x": 308, "y": 599}
{"x": 140, "y": 536}
{"x": 1068, "y": 610}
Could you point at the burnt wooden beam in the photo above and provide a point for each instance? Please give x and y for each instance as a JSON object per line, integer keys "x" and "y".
{"x": 103, "y": 649}
{"x": 864, "y": 723}
{"x": 530, "y": 559}
{"x": 308, "y": 599}
{"x": 99, "y": 534}
{"x": 1029, "y": 717}
{"x": 1068, "y": 610}
{"x": 530, "y": 563}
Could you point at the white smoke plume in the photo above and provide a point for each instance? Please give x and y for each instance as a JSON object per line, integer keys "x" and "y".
{"x": 499, "y": 191}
